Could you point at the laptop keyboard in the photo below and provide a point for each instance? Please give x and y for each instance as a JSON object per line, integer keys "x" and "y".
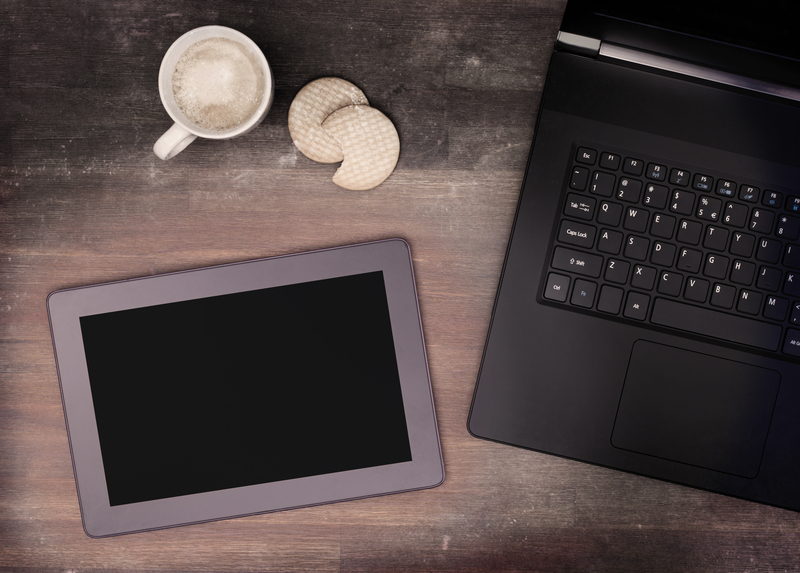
{"x": 646, "y": 240}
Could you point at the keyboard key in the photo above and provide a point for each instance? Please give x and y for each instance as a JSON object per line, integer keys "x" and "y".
{"x": 743, "y": 272}
{"x": 716, "y": 266}
{"x": 633, "y": 166}
{"x": 761, "y": 221}
{"x": 580, "y": 207}
{"x": 609, "y": 242}
{"x": 636, "y": 306}
{"x": 656, "y": 172}
{"x": 791, "y": 285}
{"x": 772, "y": 199}
{"x": 663, "y": 254}
{"x": 749, "y": 193}
{"x": 776, "y": 308}
{"x": 617, "y": 271}
{"x": 792, "y": 257}
{"x": 769, "y": 250}
{"x": 716, "y": 324}
{"x": 583, "y": 293}
{"x": 579, "y": 178}
{"x": 788, "y": 227}
{"x": 602, "y": 184}
{"x": 679, "y": 177}
{"x": 742, "y": 244}
{"x": 735, "y": 215}
{"x": 636, "y": 248}
{"x": 586, "y": 155}
{"x": 656, "y": 196}
{"x": 643, "y": 277}
{"x": 749, "y": 302}
{"x": 794, "y": 318}
{"x": 577, "y": 262}
{"x": 682, "y": 202}
{"x": 577, "y": 234}
{"x": 690, "y": 232}
{"x": 609, "y": 214}
{"x": 663, "y": 226}
{"x": 792, "y": 344}
{"x": 629, "y": 190}
{"x": 769, "y": 279}
{"x": 610, "y": 299}
{"x": 670, "y": 283}
{"x": 726, "y": 188}
{"x": 609, "y": 161}
{"x": 557, "y": 287}
{"x": 723, "y": 295}
{"x": 690, "y": 260}
{"x": 793, "y": 204}
{"x": 702, "y": 182}
{"x": 709, "y": 208}
{"x": 715, "y": 238}
{"x": 635, "y": 220}
{"x": 696, "y": 289}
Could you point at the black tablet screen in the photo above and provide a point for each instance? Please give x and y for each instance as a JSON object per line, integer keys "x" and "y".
{"x": 246, "y": 388}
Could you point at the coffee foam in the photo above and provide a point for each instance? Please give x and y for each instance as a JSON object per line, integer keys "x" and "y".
{"x": 218, "y": 84}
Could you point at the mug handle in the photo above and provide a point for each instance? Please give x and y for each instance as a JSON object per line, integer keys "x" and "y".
{"x": 175, "y": 140}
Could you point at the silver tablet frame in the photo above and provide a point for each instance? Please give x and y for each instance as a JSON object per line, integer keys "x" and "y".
{"x": 392, "y": 256}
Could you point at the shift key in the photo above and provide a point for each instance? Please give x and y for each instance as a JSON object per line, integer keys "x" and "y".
{"x": 577, "y": 262}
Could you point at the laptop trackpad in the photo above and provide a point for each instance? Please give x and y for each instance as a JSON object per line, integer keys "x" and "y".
{"x": 695, "y": 409}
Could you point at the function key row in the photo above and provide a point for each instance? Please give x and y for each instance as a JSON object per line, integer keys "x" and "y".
{"x": 680, "y": 177}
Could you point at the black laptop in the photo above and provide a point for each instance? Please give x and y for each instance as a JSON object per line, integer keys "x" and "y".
{"x": 648, "y": 314}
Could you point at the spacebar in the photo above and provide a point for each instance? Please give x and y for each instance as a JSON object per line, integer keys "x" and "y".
{"x": 716, "y": 324}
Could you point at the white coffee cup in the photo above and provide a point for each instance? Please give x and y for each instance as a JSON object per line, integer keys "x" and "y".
{"x": 184, "y": 131}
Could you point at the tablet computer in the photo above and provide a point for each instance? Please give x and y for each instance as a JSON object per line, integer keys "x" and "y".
{"x": 246, "y": 388}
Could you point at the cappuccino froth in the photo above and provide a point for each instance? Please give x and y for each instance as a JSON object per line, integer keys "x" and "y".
{"x": 218, "y": 84}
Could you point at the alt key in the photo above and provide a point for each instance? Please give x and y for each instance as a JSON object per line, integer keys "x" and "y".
{"x": 636, "y": 306}
{"x": 792, "y": 344}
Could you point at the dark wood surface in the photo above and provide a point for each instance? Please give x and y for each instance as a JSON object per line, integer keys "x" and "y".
{"x": 83, "y": 199}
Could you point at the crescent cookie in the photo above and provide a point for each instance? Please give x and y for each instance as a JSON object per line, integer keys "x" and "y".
{"x": 370, "y": 144}
{"x": 312, "y": 104}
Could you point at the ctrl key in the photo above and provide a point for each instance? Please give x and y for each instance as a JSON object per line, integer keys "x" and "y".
{"x": 557, "y": 287}
{"x": 792, "y": 344}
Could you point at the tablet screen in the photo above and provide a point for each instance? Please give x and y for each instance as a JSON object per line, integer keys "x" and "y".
{"x": 246, "y": 388}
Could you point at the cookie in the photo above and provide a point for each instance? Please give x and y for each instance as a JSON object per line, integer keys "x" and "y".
{"x": 370, "y": 145}
{"x": 311, "y": 106}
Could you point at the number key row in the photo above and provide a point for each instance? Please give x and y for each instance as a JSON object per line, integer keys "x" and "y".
{"x": 682, "y": 202}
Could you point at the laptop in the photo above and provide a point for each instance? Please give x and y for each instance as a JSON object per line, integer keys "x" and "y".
{"x": 648, "y": 313}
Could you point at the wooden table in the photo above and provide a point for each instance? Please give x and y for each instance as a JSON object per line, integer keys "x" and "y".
{"x": 83, "y": 199}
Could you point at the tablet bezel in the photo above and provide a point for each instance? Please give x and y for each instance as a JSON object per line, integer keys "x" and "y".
{"x": 392, "y": 257}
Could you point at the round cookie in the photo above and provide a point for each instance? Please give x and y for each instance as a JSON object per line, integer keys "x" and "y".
{"x": 312, "y": 104}
{"x": 370, "y": 144}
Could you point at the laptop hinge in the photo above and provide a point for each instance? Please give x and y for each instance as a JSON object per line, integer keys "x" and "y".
{"x": 654, "y": 61}
{"x": 578, "y": 44}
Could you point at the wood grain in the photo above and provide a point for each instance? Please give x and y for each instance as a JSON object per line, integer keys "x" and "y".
{"x": 83, "y": 199}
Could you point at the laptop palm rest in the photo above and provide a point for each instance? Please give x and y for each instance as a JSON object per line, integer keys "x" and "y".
{"x": 695, "y": 409}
